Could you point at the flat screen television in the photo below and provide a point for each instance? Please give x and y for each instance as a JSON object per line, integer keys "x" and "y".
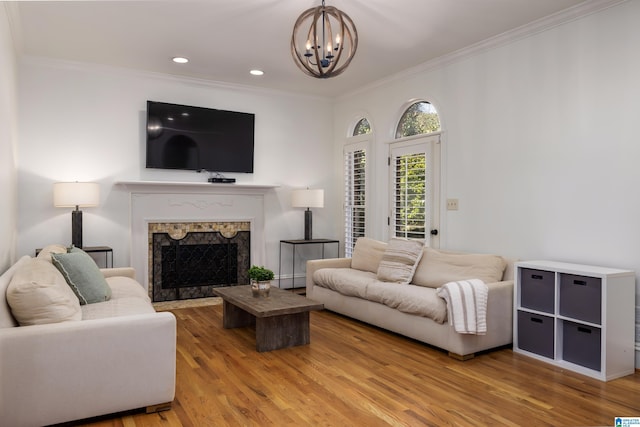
{"x": 200, "y": 139}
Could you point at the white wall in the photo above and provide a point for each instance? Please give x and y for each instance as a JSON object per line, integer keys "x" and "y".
{"x": 540, "y": 145}
{"x": 8, "y": 138}
{"x": 82, "y": 122}
{"x": 541, "y": 142}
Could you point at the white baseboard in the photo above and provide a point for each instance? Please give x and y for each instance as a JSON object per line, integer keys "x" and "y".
{"x": 286, "y": 281}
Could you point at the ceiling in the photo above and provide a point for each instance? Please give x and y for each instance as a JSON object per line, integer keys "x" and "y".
{"x": 224, "y": 39}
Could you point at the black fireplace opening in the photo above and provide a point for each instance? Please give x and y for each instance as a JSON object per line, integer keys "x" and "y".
{"x": 196, "y": 264}
{"x": 199, "y": 265}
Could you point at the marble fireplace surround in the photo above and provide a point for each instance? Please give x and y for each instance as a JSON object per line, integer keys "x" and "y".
{"x": 185, "y": 234}
{"x": 166, "y": 202}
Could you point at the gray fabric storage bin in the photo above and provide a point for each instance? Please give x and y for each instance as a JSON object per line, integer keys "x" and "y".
{"x": 581, "y": 297}
{"x": 581, "y": 345}
{"x": 536, "y": 333}
{"x": 537, "y": 289}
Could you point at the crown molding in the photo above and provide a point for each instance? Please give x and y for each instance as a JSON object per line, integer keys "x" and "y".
{"x": 573, "y": 13}
{"x": 173, "y": 78}
{"x": 543, "y": 24}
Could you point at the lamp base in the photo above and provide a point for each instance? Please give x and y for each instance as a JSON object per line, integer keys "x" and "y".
{"x": 76, "y": 228}
{"x": 307, "y": 224}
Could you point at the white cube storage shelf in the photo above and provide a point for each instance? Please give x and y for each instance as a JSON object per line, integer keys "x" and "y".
{"x": 578, "y": 317}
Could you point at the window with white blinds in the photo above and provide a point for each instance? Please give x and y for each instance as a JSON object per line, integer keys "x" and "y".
{"x": 355, "y": 186}
{"x": 410, "y": 194}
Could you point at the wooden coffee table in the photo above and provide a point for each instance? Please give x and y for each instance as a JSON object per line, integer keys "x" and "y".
{"x": 281, "y": 319}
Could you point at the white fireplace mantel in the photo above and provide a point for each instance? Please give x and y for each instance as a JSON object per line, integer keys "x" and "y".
{"x": 194, "y": 187}
{"x": 166, "y": 201}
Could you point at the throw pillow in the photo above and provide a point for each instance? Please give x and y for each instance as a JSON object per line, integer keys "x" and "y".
{"x": 45, "y": 253}
{"x": 38, "y": 294}
{"x": 438, "y": 268}
{"x": 83, "y": 276}
{"x": 399, "y": 260}
{"x": 367, "y": 254}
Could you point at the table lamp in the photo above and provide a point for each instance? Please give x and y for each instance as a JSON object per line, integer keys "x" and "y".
{"x": 307, "y": 199}
{"x": 76, "y": 194}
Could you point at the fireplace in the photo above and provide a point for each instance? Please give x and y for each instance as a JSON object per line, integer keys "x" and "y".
{"x": 189, "y": 260}
{"x": 174, "y": 203}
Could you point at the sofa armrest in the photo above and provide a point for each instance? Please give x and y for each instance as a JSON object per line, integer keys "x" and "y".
{"x": 51, "y": 373}
{"x": 500, "y": 306}
{"x": 119, "y": 271}
{"x": 503, "y": 285}
{"x": 317, "y": 264}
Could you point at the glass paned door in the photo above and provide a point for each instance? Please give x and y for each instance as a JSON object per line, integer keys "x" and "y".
{"x": 414, "y": 169}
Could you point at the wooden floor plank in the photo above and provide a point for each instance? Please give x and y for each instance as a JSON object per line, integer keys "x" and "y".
{"x": 355, "y": 374}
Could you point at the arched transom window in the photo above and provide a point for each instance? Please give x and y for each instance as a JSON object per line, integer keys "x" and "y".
{"x": 421, "y": 117}
{"x": 362, "y": 127}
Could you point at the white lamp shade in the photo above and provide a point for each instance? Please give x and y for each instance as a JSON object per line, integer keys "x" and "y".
{"x": 72, "y": 194}
{"x": 307, "y": 198}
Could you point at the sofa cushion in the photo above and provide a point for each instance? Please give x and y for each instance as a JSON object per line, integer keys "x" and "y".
{"x": 127, "y": 298}
{"x": 127, "y": 287}
{"x": 418, "y": 300}
{"x": 83, "y": 276}
{"x": 347, "y": 281}
{"x": 399, "y": 260}
{"x": 38, "y": 294}
{"x": 437, "y": 268}
{"x": 367, "y": 254}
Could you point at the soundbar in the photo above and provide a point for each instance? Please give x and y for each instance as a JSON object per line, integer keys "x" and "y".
{"x": 219, "y": 180}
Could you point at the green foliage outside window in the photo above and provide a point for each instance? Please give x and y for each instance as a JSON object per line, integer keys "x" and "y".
{"x": 410, "y": 196}
{"x": 419, "y": 118}
{"x": 362, "y": 127}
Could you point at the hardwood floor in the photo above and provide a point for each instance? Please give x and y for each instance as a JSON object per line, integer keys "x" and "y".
{"x": 355, "y": 374}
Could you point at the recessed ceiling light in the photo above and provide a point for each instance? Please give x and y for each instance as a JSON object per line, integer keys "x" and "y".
{"x": 256, "y": 72}
{"x": 180, "y": 60}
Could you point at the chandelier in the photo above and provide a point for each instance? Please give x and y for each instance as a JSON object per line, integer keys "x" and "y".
{"x": 328, "y": 46}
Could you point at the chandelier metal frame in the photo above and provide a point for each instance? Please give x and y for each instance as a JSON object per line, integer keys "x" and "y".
{"x": 323, "y": 55}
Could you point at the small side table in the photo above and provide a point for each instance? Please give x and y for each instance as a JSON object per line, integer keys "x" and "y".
{"x": 106, "y": 250}
{"x": 294, "y": 244}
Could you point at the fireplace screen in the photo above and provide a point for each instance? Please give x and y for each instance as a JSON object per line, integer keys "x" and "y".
{"x": 191, "y": 267}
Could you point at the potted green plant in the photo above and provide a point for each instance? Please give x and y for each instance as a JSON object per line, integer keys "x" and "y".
{"x": 261, "y": 278}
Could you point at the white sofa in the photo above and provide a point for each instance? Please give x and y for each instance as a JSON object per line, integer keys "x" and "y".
{"x": 113, "y": 356}
{"x": 349, "y": 286}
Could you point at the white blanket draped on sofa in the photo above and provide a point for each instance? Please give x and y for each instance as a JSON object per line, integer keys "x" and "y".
{"x": 466, "y": 305}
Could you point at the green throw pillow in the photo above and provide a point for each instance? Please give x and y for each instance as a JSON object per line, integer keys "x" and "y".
{"x": 83, "y": 276}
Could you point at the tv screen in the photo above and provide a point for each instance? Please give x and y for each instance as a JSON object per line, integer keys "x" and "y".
{"x": 196, "y": 138}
